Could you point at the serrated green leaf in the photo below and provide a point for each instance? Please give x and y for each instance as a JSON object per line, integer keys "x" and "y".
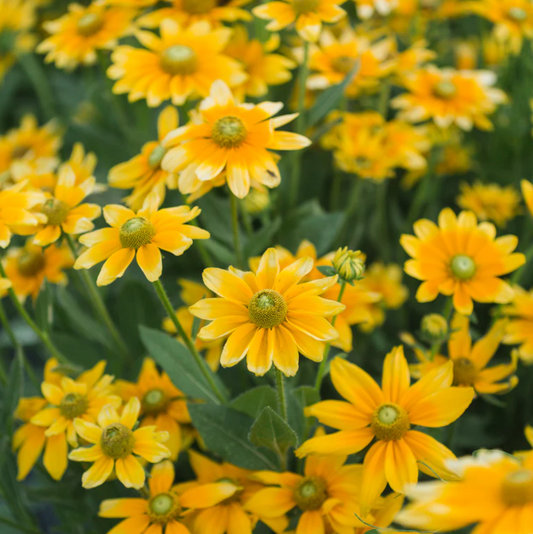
{"x": 225, "y": 432}
{"x": 253, "y": 402}
{"x": 272, "y": 432}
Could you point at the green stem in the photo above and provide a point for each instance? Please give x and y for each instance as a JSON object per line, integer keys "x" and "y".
{"x": 384, "y": 98}
{"x": 162, "y": 294}
{"x": 97, "y": 302}
{"x": 323, "y": 363}
{"x": 303, "y": 74}
{"x": 351, "y": 209}
{"x": 447, "y": 314}
{"x": 282, "y": 398}
{"x": 236, "y": 234}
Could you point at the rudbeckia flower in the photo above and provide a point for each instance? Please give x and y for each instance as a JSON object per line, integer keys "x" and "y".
{"x": 461, "y": 258}
{"x": 387, "y": 414}
{"x": 233, "y": 138}
{"x": 76, "y": 37}
{"x": 28, "y": 267}
{"x": 179, "y": 65}
{"x": 84, "y": 398}
{"x": 163, "y": 405}
{"x": 307, "y": 14}
{"x": 495, "y": 493}
{"x": 161, "y": 509}
{"x": 269, "y": 316}
{"x": 116, "y": 446}
{"x": 140, "y": 235}
{"x": 520, "y": 327}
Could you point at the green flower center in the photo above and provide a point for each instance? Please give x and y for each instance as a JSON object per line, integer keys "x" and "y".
{"x": 163, "y": 508}
{"x": 157, "y": 155}
{"x": 310, "y": 493}
{"x": 517, "y": 488}
{"x": 154, "y": 401}
{"x": 179, "y": 60}
{"x": 464, "y": 372}
{"x": 343, "y": 64}
{"x": 445, "y": 89}
{"x": 267, "y": 308}
{"x": 229, "y": 132}
{"x": 390, "y": 422}
{"x": 463, "y": 267}
{"x": 73, "y": 405}
{"x": 198, "y": 7}
{"x": 117, "y": 441}
{"x": 517, "y": 14}
{"x": 136, "y": 233}
{"x": 305, "y": 6}
{"x": 89, "y": 24}
{"x": 30, "y": 264}
{"x": 56, "y": 211}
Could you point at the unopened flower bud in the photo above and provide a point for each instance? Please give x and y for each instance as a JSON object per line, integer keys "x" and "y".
{"x": 349, "y": 264}
{"x": 434, "y": 327}
{"x": 256, "y": 201}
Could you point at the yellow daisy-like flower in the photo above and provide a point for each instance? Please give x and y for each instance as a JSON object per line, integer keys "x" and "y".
{"x": 67, "y": 400}
{"x": 387, "y": 414}
{"x": 495, "y": 493}
{"x": 63, "y": 210}
{"x": 309, "y": 15}
{"x": 161, "y": 509}
{"x": 263, "y": 67}
{"x": 116, "y": 446}
{"x": 139, "y": 235}
{"x": 461, "y": 258}
{"x": 143, "y": 172}
{"x": 447, "y": 97}
{"x": 490, "y": 202}
{"x": 82, "y": 165}
{"x": 163, "y": 405}
{"x": 233, "y": 138}
{"x": 527, "y": 191}
{"x": 28, "y": 267}
{"x": 17, "y": 15}
{"x": 387, "y": 281}
{"x": 520, "y": 326}
{"x": 38, "y": 174}
{"x": 76, "y": 37}
{"x": 179, "y": 65}
{"x": 412, "y": 59}
{"x": 269, "y": 316}
{"x": 470, "y": 360}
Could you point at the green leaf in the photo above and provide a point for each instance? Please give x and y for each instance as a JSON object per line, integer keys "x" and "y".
{"x": 327, "y": 270}
{"x": 179, "y": 364}
{"x": 272, "y": 432}
{"x": 329, "y": 99}
{"x": 253, "y": 401}
{"x": 222, "y": 253}
{"x": 225, "y": 432}
{"x": 13, "y": 391}
{"x": 299, "y": 399}
{"x": 261, "y": 240}
{"x": 43, "y": 307}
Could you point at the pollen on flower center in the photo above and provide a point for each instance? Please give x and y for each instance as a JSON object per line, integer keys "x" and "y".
{"x": 390, "y": 422}
{"x": 89, "y": 24}
{"x": 343, "y": 64}
{"x": 117, "y": 441}
{"x": 179, "y": 59}
{"x": 267, "y": 308}
{"x": 305, "y": 6}
{"x": 463, "y": 267}
{"x": 136, "y": 232}
{"x": 229, "y": 132}
{"x": 154, "y": 400}
{"x": 163, "y": 508}
{"x": 73, "y": 405}
{"x": 155, "y": 158}
{"x": 198, "y": 7}
{"x": 517, "y": 14}
{"x": 517, "y": 488}
{"x": 445, "y": 89}
{"x": 310, "y": 493}
{"x": 464, "y": 372}
{"x": 56, "y": 211}
{"x": 30, "y": 263}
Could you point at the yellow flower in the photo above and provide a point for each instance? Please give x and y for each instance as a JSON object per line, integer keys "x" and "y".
{"x": 461, "y": 258}
{"x": 262, "y": 66}
{"x": 270, "y": 315}
{"x": 387, "y": 281}
{"x": 187, "y": 12}
{"x": 490, "y": 202}
{"x": 257, "y": 201}
{"x": 447, "y": 97}
{"x": 367, "y": 8}
{"x": 495, "y": 493}
{"x": 179, "y": 65}
{"x": 191, "y": 293}
{"x": 143, "y": 173}
{"x": 140, "y": 235}
{"x": 116, "y": 446}
{"x": 160, "y": 509}
{"x": 527, "y": 191}
{"x": 82, "y": 165}
{"x": 69, "y": 399}
{"x": 387, "y": 414}
{"x": 28, "y": 267}
{"x": 233, "y": 138}
{"x": 17, "y": 15}
{"x": 307, "y": 14}
{"x": 76, "y": 37}
{"x": 163, "y": 405}
{"x": 520, "y": 326}
{"x": 37, "y": 174}
{"x": 412, "y": 59}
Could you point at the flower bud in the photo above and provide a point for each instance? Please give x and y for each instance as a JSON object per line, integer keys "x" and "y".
{"x": 434, "y": 327}
{"x": 349, "y": 264}
{"x": 256, "y": 201}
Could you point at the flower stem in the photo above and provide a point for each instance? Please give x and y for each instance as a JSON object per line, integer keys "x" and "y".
{"x": 163, "y": 297}
{"x": 98, "y": 303}
{"x": 322, "y": 367}
{"x": 303, "y": 74}
{"x": 282, "y": 398}
{"x": 41, "y": 85}
{"x": 236, "y": 234}
{"x": 447, "y": 314}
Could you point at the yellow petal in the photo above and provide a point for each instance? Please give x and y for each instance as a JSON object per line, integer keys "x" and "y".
{"x": 130, "y": 413}
{"x": 150, "y": 261}
{"x": 115, "y": 266}
{"x": 208, "y": 495}
{"x": 55, "y": 456}
{"x": 123, "y": 507}
{"x": 130, "y": 472}
{"x": 162, "y": 477}
{"x": 396, "y": 379}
